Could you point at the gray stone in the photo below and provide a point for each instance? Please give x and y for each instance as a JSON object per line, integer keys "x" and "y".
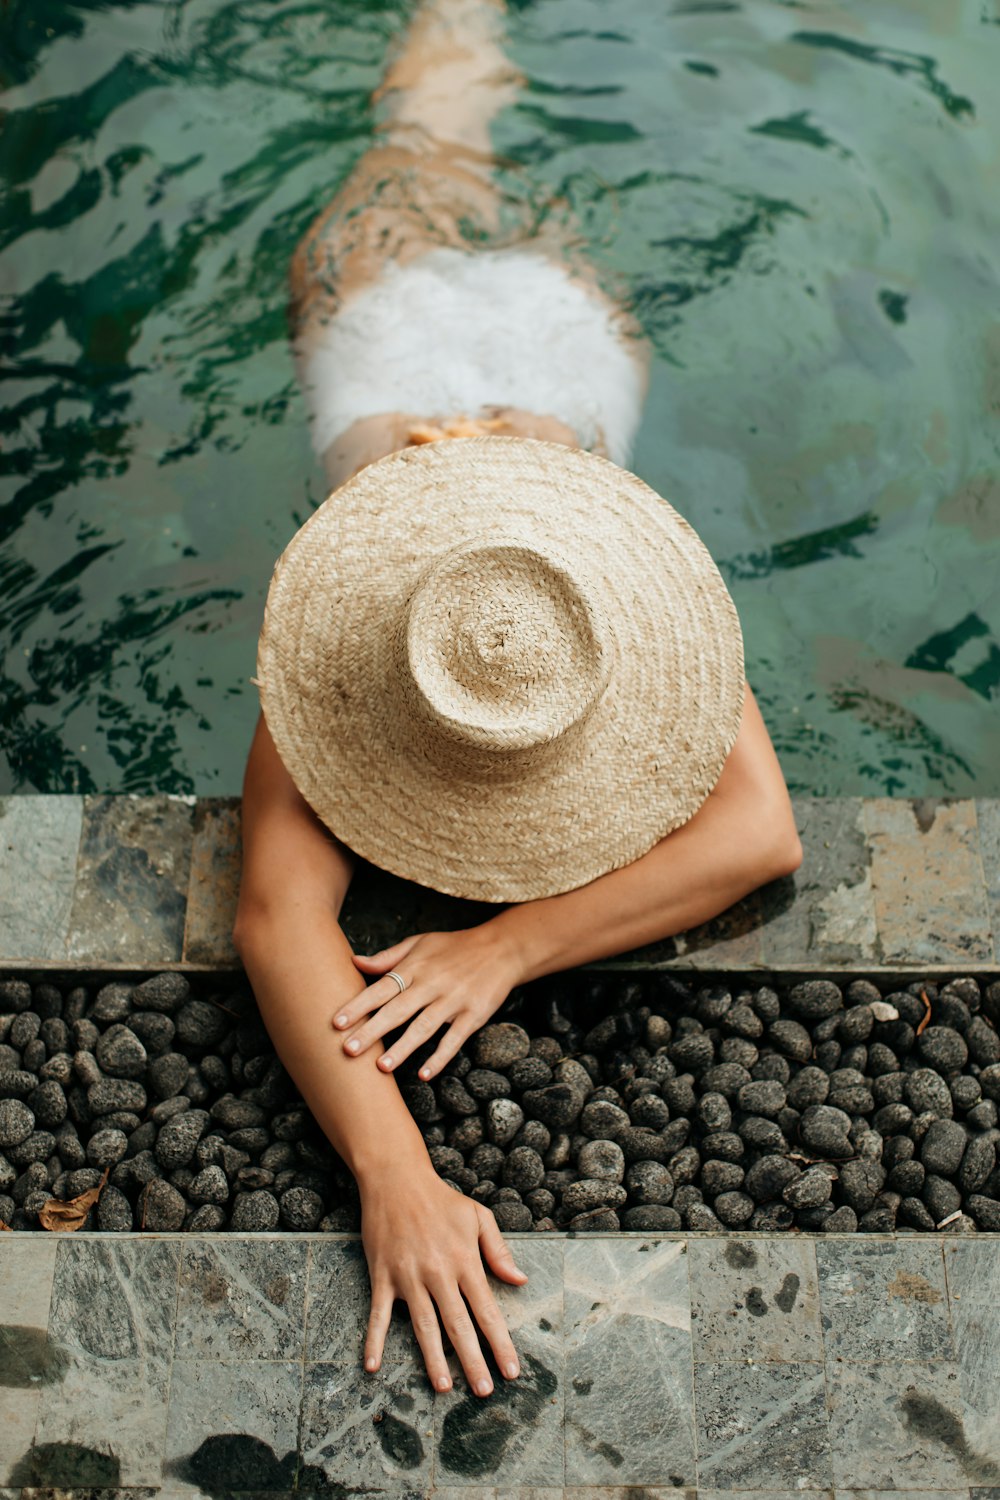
{"x": 168, "y": 1074}
{"x": 255, "y": 1213}
{"x": 120, "y": 1053}
{"x": 810, "y": 1190}
{"x": 769, "y": 1176}
{"x": 593, "y": 1192}
{"x": 498, "y": 1045}
{"x": 111, "y": 1094}
{"x": 105, "y": 1147}
{"x": 209, "y": 1186}
{"x": 602, "y": 1159}
{"x": 504, "y": 1118}
{"x": 523, "y": 1169}
{"x": 113, "y": 1002}
{"x": 163, "y": 992}
{"x": 484, "y": 1083}
{"x": 943, "y": 1147}
{"x": 176, "y": 1142}
{"x": 16, "y": 1122}
{"x": 927, "y": 1094}
{"x": 236, "y": 1114}
{"x": 161, "y": 1206}
{"x": 825, "y": 1131}
{"x": 649, "y": 1182}
{"x": 201, "y": 1025}
{"x": 301, "y": 1209}
{"x": 47, "y": 1103}
{"x": 114, "y": 1212}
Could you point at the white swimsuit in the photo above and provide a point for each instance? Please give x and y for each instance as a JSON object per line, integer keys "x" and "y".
{"x": 453, "y": 332}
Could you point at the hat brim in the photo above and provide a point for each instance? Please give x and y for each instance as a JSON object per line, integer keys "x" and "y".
{"x": 645, "y": 760}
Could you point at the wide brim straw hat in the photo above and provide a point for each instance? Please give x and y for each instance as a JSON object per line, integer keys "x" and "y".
{"x": 500, "y": 667}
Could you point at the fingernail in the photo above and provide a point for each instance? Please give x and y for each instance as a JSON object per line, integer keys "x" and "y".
{"x": 371, "y": 1362}
{"x": 387, "y": 1061}
{"x": 353, "y": 1046}
{"x": 510, "y": 1371}
{"x": 483, "y": 1388}
{"x": 443, "y": 1383}
{"x": 425, "y": 1072}
{"x": 340, "y": 1021}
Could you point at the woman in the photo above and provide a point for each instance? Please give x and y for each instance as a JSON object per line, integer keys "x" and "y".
{"x": 385, "y": 274}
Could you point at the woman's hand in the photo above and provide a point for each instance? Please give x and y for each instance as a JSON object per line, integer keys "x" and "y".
{"x": 458, "y": 979}
{"x": 423, "y": 1241}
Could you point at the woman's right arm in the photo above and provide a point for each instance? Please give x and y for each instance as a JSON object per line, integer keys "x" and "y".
{"x": 421, "y": 1238}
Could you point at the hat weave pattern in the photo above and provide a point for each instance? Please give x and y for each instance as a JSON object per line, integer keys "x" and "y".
{"x": 500, "y": 667}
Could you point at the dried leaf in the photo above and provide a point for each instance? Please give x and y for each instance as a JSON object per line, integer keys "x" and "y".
{"x": 63, "y": 1217}
{"x": 927, "y": 1013}
{"x": 5, "y": 1226}
{"x": 883, "y": 1011}
{"x": 950, "y": 1219}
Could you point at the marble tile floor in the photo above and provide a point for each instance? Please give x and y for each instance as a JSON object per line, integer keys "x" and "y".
{"x": 126, "y": 881}
{"x": 732, "y": 1366}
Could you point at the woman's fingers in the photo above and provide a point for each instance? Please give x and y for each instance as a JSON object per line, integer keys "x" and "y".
{"x": 429, "y": 1021}
{"x": 371, "y": 999}
{"x": 496, "y": 1252}
{"x": 423, "y": 1316}
{"x": 464, "y": 1339}
{"x": 491, "y": 1320}
{"x": 381, "y": 963}
{"x": 453, "y": 1040}
{"x": 378, "y": 1325}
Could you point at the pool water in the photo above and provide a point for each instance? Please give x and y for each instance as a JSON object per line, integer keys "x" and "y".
{"x": 801, "y": 200}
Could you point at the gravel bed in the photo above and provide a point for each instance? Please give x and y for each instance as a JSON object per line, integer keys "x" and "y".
{"x": 597, "y": 1103}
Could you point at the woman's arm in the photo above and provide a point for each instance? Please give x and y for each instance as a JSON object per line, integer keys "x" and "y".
{"x": 422, "y": 1239}
{"x": 743, "y": 836}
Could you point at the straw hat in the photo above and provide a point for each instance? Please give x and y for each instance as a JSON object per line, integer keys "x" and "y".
{"x": 500, "y": 667}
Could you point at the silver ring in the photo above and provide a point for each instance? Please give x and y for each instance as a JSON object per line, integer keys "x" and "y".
{"x": 399, "y": 980}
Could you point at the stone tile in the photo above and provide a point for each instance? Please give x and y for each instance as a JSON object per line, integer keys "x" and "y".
{"x": 754, "y": 1299}
{"x": 241, "y": 1298}
{"x": 131, "y": 880}
{"x": 36, "y": 884}
{"x": 214, "y": 886}
{"x": 613, "y": 1492}
{"x": 977, "y": 1341}
{"x": 102, "y": 1424}
{"x": 884, "y": 1299}
{"x": 824, "y": 912}
{"x": 704, "y": 1494}
{"x": 732, "y": 940}
{"x": 337, "y": 1305}
{"x": 19, "y": 1406}
{"x": 628, "y": 1330}
{"x": 762, "y": 1426}
{"x": 233, "y": 1424}
{"x": 27, "y": 1263}
{"x": 972, "y": 1267}
{"x": 367, "y": 1431}
{"x": 927, "y": 879}
{"x": 515, "y": 1435}
{"x": 988, "y": 821}
{"x": 957, "y": 1494}
{"x": 899, "y": 1427}
{"x": 115, "y": 1299}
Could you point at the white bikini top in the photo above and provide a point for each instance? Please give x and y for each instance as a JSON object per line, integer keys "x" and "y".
{"x": 455, "y": 331}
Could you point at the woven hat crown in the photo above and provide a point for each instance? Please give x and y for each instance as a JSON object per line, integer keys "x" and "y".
{"x": 503, "y": 648}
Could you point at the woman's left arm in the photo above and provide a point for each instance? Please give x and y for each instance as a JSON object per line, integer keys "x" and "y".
{"x": 742, "y": 836}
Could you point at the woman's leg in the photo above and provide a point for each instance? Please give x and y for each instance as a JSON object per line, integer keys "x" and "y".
{"x": 428, "y": 182}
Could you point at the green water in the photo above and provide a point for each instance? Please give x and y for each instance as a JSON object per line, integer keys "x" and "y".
{"x": 802, "y": 202}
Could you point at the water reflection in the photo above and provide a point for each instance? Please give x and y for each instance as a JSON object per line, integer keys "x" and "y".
{"x": 800, "y": 201}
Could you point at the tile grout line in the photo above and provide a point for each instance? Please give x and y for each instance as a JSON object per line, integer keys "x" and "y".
{"x": 173, "y": 1355}
{"x": 984, "y": 884}
{"x": 695, "y": 1445}
{"x": 302, "y": 1362}
{"x": 827, "y": 1404}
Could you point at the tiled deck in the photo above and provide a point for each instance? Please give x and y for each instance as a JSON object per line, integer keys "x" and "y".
{"x": 151, "y": 881}
{"x": 731, "y": 1365}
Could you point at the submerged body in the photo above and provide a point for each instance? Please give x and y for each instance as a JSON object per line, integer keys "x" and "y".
{"x": 404, "y": 334}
